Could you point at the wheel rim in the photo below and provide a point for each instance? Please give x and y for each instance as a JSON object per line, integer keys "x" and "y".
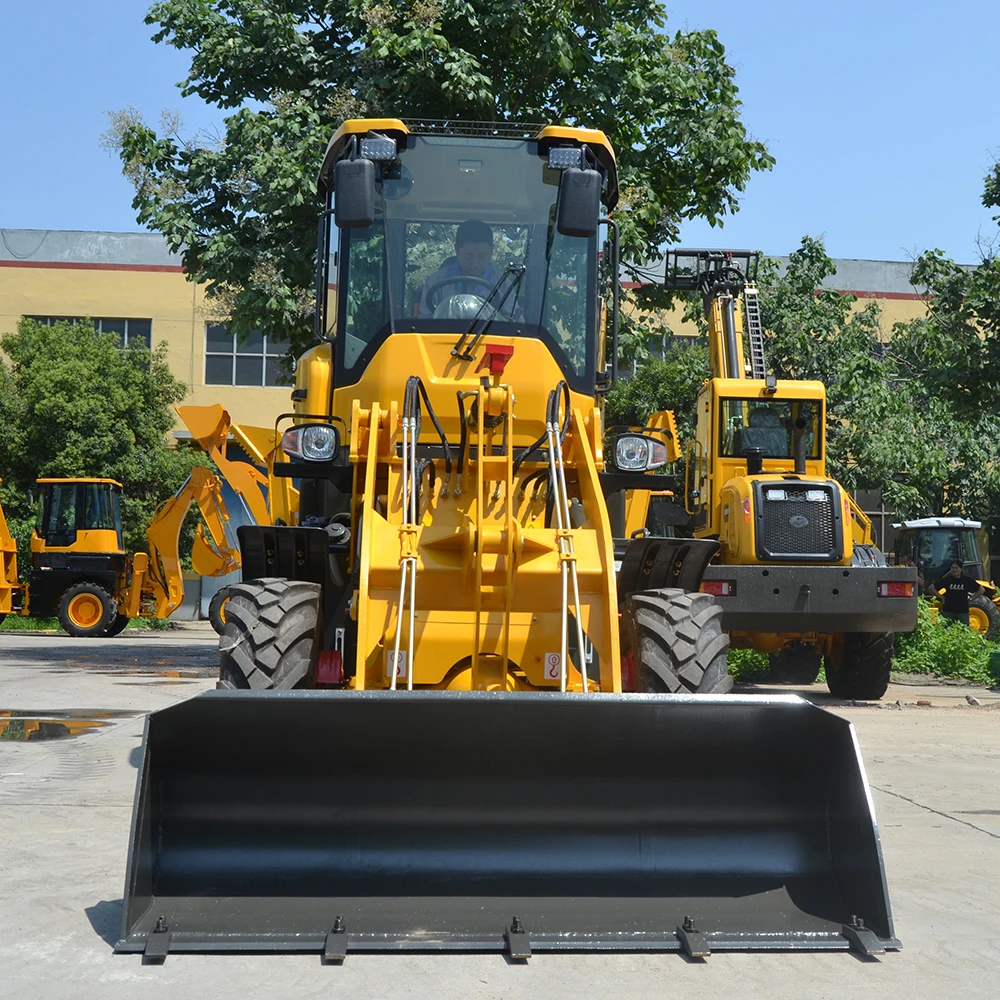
{"x": 979, "y": 620}
{"x": 85, "y": 610}
{"x": 222, "y": 610}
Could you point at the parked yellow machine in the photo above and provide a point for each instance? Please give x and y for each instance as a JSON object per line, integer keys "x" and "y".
{"x": 80, "y": 572}
{"x": 797, "y": 574}
{"x": 474, "y": 775}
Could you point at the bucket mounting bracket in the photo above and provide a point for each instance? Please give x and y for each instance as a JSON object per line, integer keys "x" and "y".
{"x": 516, "y": 937}
{"x": 693, "y": 941}
{"x": 335, "y": 946}
{"x": 157, "y": 943}
{"x": 862, "y": 940}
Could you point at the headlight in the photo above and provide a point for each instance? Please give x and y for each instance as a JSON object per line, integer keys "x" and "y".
{"x": 312, "y": 442}
{"x": 636, "y": 453}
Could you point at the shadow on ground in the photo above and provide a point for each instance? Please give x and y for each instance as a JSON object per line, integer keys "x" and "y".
{"x": 152, "y": 655}
{"x": 106, "y": 919}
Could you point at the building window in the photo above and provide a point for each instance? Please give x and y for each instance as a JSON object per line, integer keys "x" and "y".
{"x": 131, "y": 332}
{"x": 256, "y": 361}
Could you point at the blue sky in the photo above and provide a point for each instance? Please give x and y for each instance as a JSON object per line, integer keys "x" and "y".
{"x": 882, "y": 117}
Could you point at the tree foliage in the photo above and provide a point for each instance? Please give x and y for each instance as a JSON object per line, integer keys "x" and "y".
{"x": 241, "y": 208}
{"x": 73, "y": 403}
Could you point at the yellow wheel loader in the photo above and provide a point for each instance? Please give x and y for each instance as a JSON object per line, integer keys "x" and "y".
{"x": 797, "y": 574}
{"x": 80, "y": 572}
{"x": 424, "y": 737}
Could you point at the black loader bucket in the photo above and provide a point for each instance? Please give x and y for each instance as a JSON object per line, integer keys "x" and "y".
{"x": 349, "y": 821}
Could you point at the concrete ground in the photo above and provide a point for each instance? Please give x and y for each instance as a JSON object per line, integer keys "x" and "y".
{"x": 65, "y": 806}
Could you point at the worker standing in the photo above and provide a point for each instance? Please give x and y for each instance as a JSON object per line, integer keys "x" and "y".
{"x": 957, "y": 586}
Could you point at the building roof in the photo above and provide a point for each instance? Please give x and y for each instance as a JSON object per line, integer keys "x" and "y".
{"x": 27, "y": 247}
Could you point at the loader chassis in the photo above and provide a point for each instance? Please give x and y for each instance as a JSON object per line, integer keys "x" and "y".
{"x": 472, "y": 774}
{"x": 797, "y": 575}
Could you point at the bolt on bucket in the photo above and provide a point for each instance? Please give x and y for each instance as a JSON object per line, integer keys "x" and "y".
{"x": 337, "y": 821}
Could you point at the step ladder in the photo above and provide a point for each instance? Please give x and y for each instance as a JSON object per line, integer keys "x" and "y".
{"x": 755, "y": 331}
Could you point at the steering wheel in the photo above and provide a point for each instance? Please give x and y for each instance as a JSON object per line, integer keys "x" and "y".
{"x": 431, "y": 291}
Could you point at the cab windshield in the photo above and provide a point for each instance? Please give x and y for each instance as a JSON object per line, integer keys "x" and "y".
{"x": 769, "y": 424}
{"x": 465, "y": 236}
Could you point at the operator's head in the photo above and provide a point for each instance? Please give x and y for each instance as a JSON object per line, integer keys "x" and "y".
{"x": 956, "y": 568}
{"x": 474, "y": 247}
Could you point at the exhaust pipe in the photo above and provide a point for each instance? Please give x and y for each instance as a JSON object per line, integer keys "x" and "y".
{"x": 343, "y": 821}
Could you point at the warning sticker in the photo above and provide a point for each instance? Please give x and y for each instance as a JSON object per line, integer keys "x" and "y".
{"x": 553, "y": 666}
{"x": 400, "y": 664}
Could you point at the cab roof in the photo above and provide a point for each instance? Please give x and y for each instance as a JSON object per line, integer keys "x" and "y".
{"x": 939, "y": 522}
{"x": 112, "y": 482}
{"x": 545, "y": 135}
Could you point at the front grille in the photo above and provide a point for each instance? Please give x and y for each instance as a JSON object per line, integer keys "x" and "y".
{"x": 797, "y": 520}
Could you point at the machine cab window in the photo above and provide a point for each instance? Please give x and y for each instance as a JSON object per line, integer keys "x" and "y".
{"x": 465, "y": 236}
{"x": 770, "y": 424}
{"x": 70, "y": 506}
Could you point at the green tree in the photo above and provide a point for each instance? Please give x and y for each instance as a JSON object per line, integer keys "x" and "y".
{"x": 73, "y": 402}
{"x": 242, "y": 210}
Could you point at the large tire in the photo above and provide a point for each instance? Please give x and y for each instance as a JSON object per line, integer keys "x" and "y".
{"x": 272, "y": 635}
{"x": 117, "y": 626}
{"x": 86, "y": 610}
{"x": 676, "y": 642}
{"x": 217, "y": 608}
{"x": 984, "y": 617}
{"x": 795, "y": 665}
{"x": 859, "y": 665}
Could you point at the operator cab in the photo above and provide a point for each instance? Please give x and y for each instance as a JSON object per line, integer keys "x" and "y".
{"x": 84, "y": 513}
{"x": 465, "y": 234}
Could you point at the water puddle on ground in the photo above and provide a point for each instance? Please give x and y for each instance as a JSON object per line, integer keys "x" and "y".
{"x": 28, "y": 726}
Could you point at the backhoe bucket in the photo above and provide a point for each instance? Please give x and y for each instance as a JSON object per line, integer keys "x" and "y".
{"x": 350, "y": 821}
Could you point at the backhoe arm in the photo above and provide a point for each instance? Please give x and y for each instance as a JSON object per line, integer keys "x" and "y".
{"x": 162, "y": 582}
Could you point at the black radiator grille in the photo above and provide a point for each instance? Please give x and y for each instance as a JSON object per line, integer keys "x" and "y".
{"x": 797, "y": 520}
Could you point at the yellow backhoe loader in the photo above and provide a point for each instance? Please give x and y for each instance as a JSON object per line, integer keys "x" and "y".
{"x": 80, "y": 572}
{"x": 423, "y": 736}
{"x": 797, "y": 574}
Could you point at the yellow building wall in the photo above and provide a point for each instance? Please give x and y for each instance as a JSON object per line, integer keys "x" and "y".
{"x": 175, "y": 306}
{"x": 178, "y": 312}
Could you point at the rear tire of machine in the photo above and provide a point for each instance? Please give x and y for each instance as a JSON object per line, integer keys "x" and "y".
{"x": 272, "y": 635}
{"x": 865, "y": 663}
{"x": 988, "y": 613}
{"x": 676, "y": 642}
{"x": 86, "y": 611}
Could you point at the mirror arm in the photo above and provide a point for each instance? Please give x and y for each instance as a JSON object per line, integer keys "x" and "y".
{"x": 615, "y": 307}
{"x": 322, "y": 268}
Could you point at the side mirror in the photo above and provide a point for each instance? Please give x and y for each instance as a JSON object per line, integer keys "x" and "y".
{"x": 354, "y": 194}
{"x": 579, "y": 202}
